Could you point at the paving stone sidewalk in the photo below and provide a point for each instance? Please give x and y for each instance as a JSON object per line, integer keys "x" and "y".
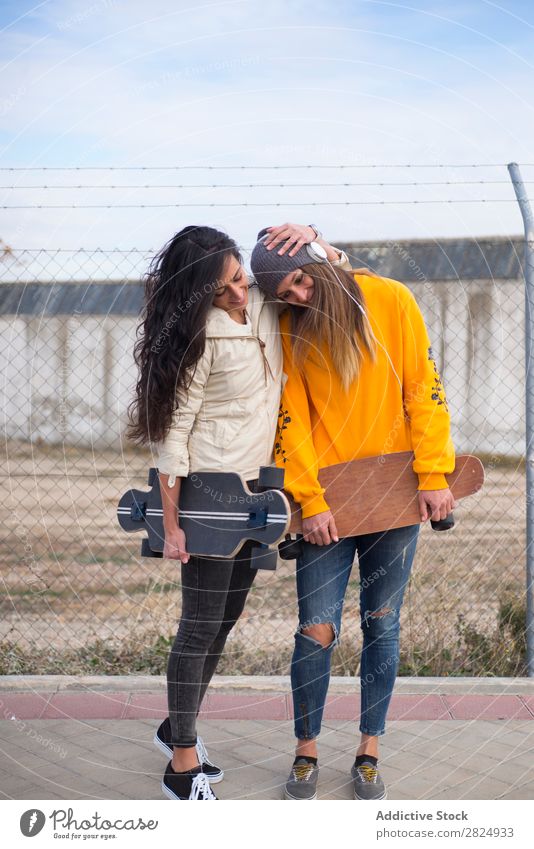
{"x": 85, "y": 738}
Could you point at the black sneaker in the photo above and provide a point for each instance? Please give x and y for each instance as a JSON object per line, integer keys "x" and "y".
{"x": 188, "y": 786}
{"x": 162, "y": 739}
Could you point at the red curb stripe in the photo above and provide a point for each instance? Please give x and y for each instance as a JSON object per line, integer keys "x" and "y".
{"x": 417, "y": 707}
{"x": 446, "y": 706}
{"x": 487, "y": 707}
{"x": 223, "y": 706}
{"x": 528, "y": 701}
{"x": 342, "y": 707}
{"x": 23, "y": 705}
{"x": 88, "y": 705}
{"x": 146, "y": 706}
{"x": 289, "y": 706}
{"x": 85, "y": 706}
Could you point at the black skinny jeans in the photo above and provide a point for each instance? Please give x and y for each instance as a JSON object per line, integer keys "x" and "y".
{"x": 214, "y": 592}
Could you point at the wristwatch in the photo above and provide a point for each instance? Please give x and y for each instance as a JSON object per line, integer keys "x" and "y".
{"x": 318, "y": 234}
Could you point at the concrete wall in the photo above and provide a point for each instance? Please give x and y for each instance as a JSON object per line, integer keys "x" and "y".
{"x": 70, "y": 377}
{"x": 477, "y": 334}
{"x": 67, "y": 379}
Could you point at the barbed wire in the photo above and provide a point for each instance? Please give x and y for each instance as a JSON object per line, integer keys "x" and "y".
{"x": 254, "y": 205}
{"x": 76, "y": 250}
{"x": 272, "y": 185}
{"x": 248, "y": 167}
{"x": 421, "y": 245}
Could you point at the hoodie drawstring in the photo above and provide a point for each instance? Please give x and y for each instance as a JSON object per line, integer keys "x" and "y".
{"x": 266, "y": 364}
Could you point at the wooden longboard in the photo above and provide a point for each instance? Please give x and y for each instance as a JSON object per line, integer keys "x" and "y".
{"x": 218, "y": 512}
{"x": 380, "y": 493}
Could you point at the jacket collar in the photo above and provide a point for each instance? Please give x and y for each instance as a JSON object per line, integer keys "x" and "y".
{"x": 219, "y": 324}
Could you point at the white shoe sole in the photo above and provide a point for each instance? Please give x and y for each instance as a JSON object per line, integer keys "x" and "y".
{"x": 170, "y": 795}
{"x": 288, "y": 795}
{"x": 378, "y": 798}
{"x": 167, "y": 751}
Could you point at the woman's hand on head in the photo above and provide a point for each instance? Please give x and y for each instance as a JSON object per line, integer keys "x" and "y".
{"x": 320, "y": 529}
{"x": 294, "y": 237}
{"x": 174, "y": 547}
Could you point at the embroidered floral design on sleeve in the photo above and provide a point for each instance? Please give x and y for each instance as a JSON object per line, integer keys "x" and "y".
{"x": 283, "y": 421}
{"x": 438, "y": 392}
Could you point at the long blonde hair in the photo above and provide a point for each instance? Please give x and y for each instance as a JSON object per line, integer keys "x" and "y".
{"x": 334, "y": 320}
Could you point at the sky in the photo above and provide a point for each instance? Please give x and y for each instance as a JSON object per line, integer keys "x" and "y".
{"x": 189, "y": 87}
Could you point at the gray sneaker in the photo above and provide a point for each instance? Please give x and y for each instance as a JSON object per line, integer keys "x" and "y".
{"x": 367, "y": 782}
{"x": 302, "y": 782}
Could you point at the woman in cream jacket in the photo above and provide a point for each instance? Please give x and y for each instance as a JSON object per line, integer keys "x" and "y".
{"x": 210, "y": 375}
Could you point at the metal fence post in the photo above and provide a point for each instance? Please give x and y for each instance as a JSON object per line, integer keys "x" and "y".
{"x": 528, "y": 222}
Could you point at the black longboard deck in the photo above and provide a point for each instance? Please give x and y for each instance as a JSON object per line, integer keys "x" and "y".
{"x": 217, "y": 511}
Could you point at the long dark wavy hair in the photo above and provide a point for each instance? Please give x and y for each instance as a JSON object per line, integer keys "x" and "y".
{"x": 171, "y": 336}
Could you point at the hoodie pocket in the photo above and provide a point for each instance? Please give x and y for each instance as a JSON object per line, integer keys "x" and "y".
{"x": 228, "y": 423}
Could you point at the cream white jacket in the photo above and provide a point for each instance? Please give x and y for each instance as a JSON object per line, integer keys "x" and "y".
{"x": 226, "y": 421}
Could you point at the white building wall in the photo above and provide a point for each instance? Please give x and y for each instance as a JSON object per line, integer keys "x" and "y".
{"x": 72, "y": 377}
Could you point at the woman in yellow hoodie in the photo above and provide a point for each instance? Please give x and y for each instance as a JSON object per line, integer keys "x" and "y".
{"x": 361, "y": 381}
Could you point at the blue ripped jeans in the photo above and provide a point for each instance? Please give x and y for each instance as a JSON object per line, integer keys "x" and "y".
{"x": 385, "y": 560}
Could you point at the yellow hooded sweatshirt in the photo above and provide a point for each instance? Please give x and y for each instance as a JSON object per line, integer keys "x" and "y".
{"x": 321, "y": 424}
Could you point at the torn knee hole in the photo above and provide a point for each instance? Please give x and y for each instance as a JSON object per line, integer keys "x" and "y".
{"x": 323, "y": 633}
{"x": 378, "y": 614}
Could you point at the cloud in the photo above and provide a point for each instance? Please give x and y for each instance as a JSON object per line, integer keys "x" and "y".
{"x": 115, "y": 83}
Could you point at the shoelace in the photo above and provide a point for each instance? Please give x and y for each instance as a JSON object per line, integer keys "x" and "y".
{"x": 202, "y": 753}
{"x": 368, "y": 773}
{"x": 200, "y": 789}
{"x": 303, "y": 772}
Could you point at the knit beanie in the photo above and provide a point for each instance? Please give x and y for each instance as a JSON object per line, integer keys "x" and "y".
{"x": 269, "y": 268}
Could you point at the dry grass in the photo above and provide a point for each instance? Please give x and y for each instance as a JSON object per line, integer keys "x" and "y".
{"x": 73, "y": 579}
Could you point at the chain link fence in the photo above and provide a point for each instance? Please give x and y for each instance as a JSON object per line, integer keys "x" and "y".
{"x": 77, "y": 595}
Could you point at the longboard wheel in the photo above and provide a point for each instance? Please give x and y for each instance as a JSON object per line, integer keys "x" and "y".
{"x": 146, "y": 551}
{"x": 289, "y": 549}
{"x": 271, "y": 477}
{"x": 443, "y": 524}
